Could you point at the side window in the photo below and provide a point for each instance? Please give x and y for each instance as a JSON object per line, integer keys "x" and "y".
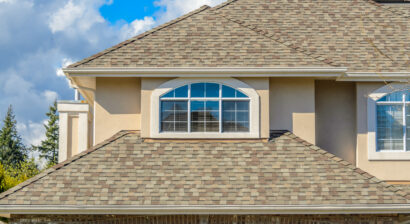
{"x": 393, "y": 122}
{"x": 204, "y": 107}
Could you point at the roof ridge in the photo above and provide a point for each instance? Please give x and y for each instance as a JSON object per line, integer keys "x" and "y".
{"x": 279, "y": 39}
{"x": 58, "y": 166}
{"x": 388, "y": 8}
{"x": 140, "y": 36}
{"x": 350, "y": 166}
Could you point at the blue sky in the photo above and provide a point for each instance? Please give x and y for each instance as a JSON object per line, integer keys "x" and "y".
{"x": 39, "y": 37}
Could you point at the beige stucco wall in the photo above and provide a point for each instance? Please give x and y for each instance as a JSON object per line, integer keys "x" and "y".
{"x": 385, "y": 170}
{"x": 336, "y": 118}
{"x": 72, "y": 146}
{"x": 117, "y": 106}
{"x": 292, "y": 106}
{"x": 261, "y": 85}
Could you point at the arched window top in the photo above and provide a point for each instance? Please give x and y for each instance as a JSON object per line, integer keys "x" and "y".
{"x": 397, "y": 96}
{"x": 204, "y": 90}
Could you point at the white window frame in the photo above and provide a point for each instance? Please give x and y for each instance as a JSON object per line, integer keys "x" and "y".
{"x": 373, "y": 154}
{"x": 254, "y": 113}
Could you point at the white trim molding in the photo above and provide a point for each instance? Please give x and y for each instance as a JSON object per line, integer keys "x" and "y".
{"x": 326, "y": 72}
{"x": 66, "y": 110}
{"x": 254, "y": 109}
{"x": 375, "y": 77}
{"x": 208, "y": 209}
{"x": 373, "y": 154}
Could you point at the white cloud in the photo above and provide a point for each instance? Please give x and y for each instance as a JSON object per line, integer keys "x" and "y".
{"x": 65, "y": 62}
{"x": 50, "y": 96}
{"x": 32, "y": 133}
{"x": 7, "y": 1}
{"x": 76, "y": 14}
{"x": 137, "y": 26}
{"x": 175, "y": 8}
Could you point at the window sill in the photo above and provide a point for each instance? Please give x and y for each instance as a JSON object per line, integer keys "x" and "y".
{"x": 374, "y": 156}
{"x": 206, "y": 135}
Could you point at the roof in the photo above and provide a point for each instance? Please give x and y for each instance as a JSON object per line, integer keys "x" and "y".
{"x": 359, "y": 34}
{"x": 128, "y": 171}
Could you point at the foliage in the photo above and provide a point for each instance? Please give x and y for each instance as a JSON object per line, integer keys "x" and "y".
{"x": 49, "y": 147}
{"x": 10, "y": 176}
{"x": 12, "y": 150}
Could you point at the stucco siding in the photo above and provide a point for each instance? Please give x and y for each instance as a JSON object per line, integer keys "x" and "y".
{"x": 117, "y": 106}
{"x": 292, "y": 106}
{"x": 385, "y": 170}
{"x": 335, "y": 118}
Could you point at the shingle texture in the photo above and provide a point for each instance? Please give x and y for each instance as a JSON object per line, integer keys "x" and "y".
{"x": 129, "y": 171}
{"x": 359, "y": 34}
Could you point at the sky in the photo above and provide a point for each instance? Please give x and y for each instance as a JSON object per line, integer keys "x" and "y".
{"x": 39, "y": 37}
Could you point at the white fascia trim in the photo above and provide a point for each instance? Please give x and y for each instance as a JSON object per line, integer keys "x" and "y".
{"x": 179, "y": 210}
{"x": 209, "y": 72}
{"x": 375, "y": 76}
{"x": 72, "y": 106}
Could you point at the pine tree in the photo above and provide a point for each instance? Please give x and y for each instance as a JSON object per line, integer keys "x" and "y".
{"x": 49, "y": 147}
{"x": 12, "y": 150}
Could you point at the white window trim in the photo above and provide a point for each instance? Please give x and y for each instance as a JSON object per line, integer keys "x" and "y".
{"x": 254, "y": 113}
{"x": 373, "y": 154}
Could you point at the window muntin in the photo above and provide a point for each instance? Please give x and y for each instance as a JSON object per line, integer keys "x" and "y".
{"x": 393, "y": 122}
{"x": 212, "y": 107}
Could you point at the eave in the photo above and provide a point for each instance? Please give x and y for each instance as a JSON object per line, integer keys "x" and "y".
{"x": 211, "y": 209}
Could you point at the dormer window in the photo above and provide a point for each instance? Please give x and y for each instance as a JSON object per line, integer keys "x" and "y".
{"x": 204, "y": 107}
{"x": 393, "y": 122}
{"x": 388, "y": 124}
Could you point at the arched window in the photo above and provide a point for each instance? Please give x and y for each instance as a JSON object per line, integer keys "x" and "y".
{"x": 393, "y": 121}
{"x": 204, "y": 107}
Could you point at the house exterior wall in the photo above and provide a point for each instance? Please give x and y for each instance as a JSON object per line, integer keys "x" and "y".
{"x": 292, "y": 106}
{"x": 205, "y": 219}
{"x": 385, "y": 170}
{"x": 117, "y": 106}
{"x": 335, "y": 106}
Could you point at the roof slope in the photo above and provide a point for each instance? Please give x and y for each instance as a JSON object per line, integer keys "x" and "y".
{"x": 129, "y": 171}
{"x": 359, "y": 34}
{"x": 200, "y": 39}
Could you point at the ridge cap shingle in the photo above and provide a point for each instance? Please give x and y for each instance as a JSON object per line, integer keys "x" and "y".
{"x": 60, "y": 165}
{"x": 140, "y": 36}
{"x": 366, "y": 175}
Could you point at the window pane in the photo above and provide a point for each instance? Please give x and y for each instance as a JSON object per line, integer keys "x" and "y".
{"x": 181, "y": 92}
{"x": 239, "y": 94}
{"x": 212, "y": 90}
{"x": 174, "y": 116}
{"x": 169, "y": 95}
{"x": 235, "y": 116}
{"x": 390, "y": 127}
{"x": 228, "y": 91}
{"x": 198, "y": 90}
{"x": 204, "y": 116}
{"x": 396, "y": 96}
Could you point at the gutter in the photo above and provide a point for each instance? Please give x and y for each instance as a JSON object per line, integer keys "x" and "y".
{"x": 209, "y": 72}
{"x": 199, "y": 210}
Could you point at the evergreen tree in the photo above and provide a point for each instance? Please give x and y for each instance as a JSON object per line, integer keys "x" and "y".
{"x": 49, "y": 147}
{"x": 12, "y": 150}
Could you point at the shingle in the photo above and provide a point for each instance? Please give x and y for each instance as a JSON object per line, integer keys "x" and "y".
{"x": 283, "y": 171}
{"x": 362, "y": 35}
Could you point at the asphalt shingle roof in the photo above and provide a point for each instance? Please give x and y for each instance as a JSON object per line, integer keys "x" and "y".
{"x": 127, "y": 170}
{"x": 359, "y": 34}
